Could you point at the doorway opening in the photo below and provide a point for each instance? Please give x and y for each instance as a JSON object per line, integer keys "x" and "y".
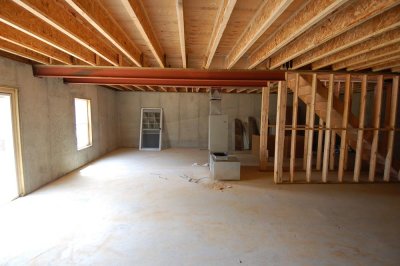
{"x": 11, "y": 185}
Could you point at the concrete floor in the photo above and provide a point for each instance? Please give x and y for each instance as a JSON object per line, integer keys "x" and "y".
{"x": 139, "y": 208}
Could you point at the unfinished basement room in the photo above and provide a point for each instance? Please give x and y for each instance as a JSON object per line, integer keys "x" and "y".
{"x": 199, "y": 132}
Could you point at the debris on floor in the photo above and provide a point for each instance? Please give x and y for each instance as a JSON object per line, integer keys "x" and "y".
{"x": 220, "y": 186}
{"x": 159, "y": 176}
{"x": 197, "y": 164}
{"x": 191, "y": 179}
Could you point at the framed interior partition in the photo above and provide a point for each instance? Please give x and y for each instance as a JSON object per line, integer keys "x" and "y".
{"x": 11, "y": 173}
{"x": 348, "y": 122}
{"x": 151, "y": 129}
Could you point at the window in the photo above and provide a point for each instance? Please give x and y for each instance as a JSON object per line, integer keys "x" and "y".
{"x": 83, "y": 123}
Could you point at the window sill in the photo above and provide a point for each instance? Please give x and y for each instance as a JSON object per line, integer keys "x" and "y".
{"x": 85, "y": 147}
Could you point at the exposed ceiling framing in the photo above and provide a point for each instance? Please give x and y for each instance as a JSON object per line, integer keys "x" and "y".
{"x": 331, "y": 35}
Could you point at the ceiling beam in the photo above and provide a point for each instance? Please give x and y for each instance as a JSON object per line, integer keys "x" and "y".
{"x": 221, "y": 21}
{"x": 160, "y": 77}
{"x": 369, "y": 29}
{"x": 139, "y": 16}
{"x": 23, "y": 52}
{"x": 370, "y": 63}
{"x": 263, "y": 19}
{"x": 335, "y": 24}
{"x": 20, "y": 19}
{"x": 377, "y": 42}
{"x": 166, "y": 82}
{"x": 396, "y": 69}
{"x": 12, "y": 35}
{"x": 366, "y": 57}
{"x": 181, "y": 28}
{"x": 312, "y": 13}
{"x": 100, "y": 19}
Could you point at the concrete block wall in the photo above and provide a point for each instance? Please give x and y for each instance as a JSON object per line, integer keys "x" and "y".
{"x": 47, "y": 122}
{"x": 185, "y": 116}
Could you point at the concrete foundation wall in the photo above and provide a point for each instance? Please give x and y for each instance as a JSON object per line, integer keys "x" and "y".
{"x": 47, "y": 123}
{"x": 185, "y": 116}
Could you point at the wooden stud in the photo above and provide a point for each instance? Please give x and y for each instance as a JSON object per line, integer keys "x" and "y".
{"x": 328, "y": 130}
{"x": 306, "y": 133}
{"x": 310, "y": 126}
{"x": 181, "y": 27}
{"x": 392, "y": 125}
{"x": 319, "y": 147}
{"x": 360, "y": 133}
{"x": 312, "y": 13}
{"x": 332, "y": 151}
{"x": 264, "y": 128}
{"x": 333, "y": 137}
{"x": 98, "y": 16}
{"x": 280, "y": 131}
{"x": 294, "y": 124}
{"x": 338, "y": 23}
{"x": 375, "y": 124}
{"x": 343, "y": 136}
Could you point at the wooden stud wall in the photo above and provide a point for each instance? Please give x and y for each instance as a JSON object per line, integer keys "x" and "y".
{"x": 359, "y": 140}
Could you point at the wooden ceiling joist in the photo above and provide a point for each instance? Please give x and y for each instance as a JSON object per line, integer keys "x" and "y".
{"x": 221, "y": 21}
{"x": 262, "y": 20}
{"x": 94, "y": 12}
{"x": 335, "y": 24}
{"x": 390, "y": 64}
{"x": 370, "y": 63}
{"x": 23, "y": 52}
{"x": 371, "y": 28}
{"x": 241, "y": 90}
{"x": 380, "y": 41}
{"x": 12, "y": 35}
{"x": 113, "y": 87}
{"x": 139, "y": 16}
{"x": 127, "y": 87}
{"x": 396, "y": 69}
{"x": 252, "y": 90}
{"x": 22, "y": 20}
{"x": 181, "y": 28}
{"x": 64, "y": 20}
{"x": 312, "y": 13}
{"x": 366, "y": 57}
